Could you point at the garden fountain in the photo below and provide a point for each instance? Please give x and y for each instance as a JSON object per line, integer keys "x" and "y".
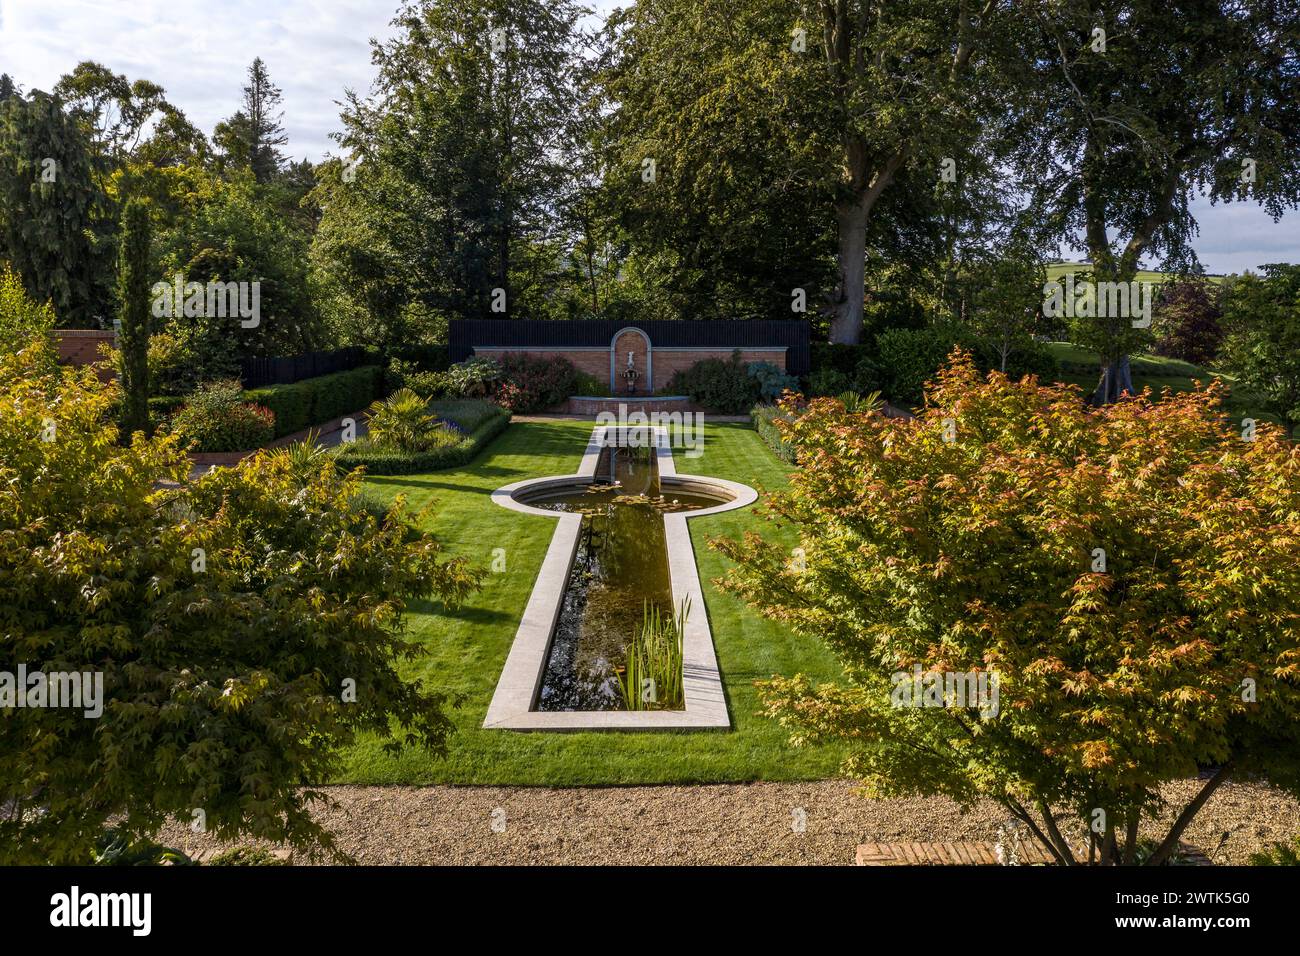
{"x": 630, "y": 374}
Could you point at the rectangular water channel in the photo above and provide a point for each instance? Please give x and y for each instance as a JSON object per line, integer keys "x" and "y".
{"x": 620, "y": 568}
{"x": 620, "y": 540}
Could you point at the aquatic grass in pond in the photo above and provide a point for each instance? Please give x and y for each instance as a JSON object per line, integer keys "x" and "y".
{"x": 621, "y": 564}
{"x": 652, "y": 678}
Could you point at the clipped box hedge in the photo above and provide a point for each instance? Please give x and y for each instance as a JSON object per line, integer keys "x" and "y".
{"x": 314, "y": 401}
{"x": 388, "y": 461}
{"x": 764, "y": 418}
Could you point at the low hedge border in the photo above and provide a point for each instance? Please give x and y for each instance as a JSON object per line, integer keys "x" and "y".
{"x": 764, "y": 418}
{"x": 388, "y": 462}
{"x": 303, "y": 404}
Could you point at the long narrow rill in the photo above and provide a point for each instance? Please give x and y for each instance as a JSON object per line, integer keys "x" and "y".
{"x": 616, "y": 544}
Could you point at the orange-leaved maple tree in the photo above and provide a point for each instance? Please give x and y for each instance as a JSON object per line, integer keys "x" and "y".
{"x": 1120, "y": 585}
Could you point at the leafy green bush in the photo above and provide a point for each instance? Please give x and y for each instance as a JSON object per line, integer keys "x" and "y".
{"x": 216, "y": 418}
{"x": 587, "y": 384}
{"x": 424, "y": 358}
{"x": 378, "y": 460}
{"x": 827, "y": 381}
{"x": 292, "y": 404}
{"x": 772, "y": 381}
{"x": 902, "y": 360}
{"x": 842, "y": 358}
{"x": 1261, "y": 314}
{"x": 764, "y": 418}
{"x": 724, "y": 386}
{"x": 910, "y": 358}
{"x": 403, "y": 374}
{"x": 530, "y": 383}
{"x": 473, "y": 378}
{"x": 867, "y": 376}
{"x": 22, "y": 318}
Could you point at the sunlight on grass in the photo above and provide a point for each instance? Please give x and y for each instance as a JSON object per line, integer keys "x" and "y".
{"x": 464, "y": 652}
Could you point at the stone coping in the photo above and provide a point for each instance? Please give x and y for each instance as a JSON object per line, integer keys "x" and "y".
{"x": 630, "y": 398}
{"x": 521, "y": 677}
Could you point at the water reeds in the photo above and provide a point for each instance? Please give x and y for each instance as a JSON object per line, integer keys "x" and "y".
{"x": 652, "y": 678}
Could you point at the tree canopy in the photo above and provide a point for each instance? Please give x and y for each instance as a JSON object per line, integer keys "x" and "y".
{"x": 245, "y": 626}
{"x": 1131, "y": 576}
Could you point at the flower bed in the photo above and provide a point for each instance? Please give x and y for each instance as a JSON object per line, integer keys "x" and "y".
{"x": 488, "y": 421}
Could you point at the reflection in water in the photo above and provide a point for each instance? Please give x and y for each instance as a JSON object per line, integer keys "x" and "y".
{"x": 622, "y": 561}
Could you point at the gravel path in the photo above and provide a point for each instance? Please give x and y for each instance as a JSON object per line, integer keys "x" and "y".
{"x": 717, "y": 824}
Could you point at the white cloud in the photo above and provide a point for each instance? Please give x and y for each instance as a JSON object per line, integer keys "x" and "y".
{"x": 199, "y": 51}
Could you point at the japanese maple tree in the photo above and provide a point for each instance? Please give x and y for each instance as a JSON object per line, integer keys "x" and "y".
{"x": 1131, "y": 574}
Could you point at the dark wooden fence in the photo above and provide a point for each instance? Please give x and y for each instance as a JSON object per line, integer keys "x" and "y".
{"x": 464, "y": 334}
{"x": 256, "y": 372}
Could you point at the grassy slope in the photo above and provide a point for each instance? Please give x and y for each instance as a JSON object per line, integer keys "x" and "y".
{"x": 464, "y": 652}
{"x": 1158, "y": 373}
{"x": 1056, "y": 270}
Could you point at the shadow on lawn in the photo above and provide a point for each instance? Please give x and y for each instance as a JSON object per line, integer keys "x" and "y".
{"x": 466, "y": 612}
{"x": 409, "y": 481}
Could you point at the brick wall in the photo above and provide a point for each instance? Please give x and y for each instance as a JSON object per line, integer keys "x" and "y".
{"x": 669, "y": 361}
{"x": 665, "y": 361}
{"x": 81, "y": 347}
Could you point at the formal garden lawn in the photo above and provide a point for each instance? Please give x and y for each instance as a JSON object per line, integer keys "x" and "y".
{"x": 464, "y": 651}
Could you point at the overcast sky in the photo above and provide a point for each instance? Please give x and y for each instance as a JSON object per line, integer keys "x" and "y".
{"x": 199, "y": 49}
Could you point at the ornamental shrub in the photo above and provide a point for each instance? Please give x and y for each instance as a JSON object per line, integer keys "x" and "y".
{"x": 216, "y": 418}
{"x": 531, "y": 383}
{"x": 227, "y": 618}
{"x": 722, "y": 385}
{"x": 1128, "y": 575}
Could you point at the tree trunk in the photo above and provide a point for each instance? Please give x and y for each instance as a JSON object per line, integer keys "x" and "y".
{"x": 1116, "y": 379}
{"x": 846, "y": 322}
{"x": 1170, "y": 842}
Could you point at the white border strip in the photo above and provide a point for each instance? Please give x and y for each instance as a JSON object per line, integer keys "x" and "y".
{"x": 521, "y": 678}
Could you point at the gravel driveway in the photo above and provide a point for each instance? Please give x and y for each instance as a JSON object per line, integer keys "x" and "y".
{"x": 717, "y": 824}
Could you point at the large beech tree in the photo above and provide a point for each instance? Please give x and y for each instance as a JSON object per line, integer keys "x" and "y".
{"x": 456, "y": 154}
{"x": 971, "y": 539}
{"x": 779, "y": 129}
{"x": 1142, "y": 104}
{"x": 247, "y": 626}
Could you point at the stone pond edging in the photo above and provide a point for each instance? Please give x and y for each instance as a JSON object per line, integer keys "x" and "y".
{"x": 521, "y": 677}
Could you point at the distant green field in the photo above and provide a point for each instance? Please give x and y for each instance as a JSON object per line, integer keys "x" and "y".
{"x": 1081, "y": 367}
{"x": 1055, "y": 270}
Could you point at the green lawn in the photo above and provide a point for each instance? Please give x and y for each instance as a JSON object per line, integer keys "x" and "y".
{"x": 464, "y": 652}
